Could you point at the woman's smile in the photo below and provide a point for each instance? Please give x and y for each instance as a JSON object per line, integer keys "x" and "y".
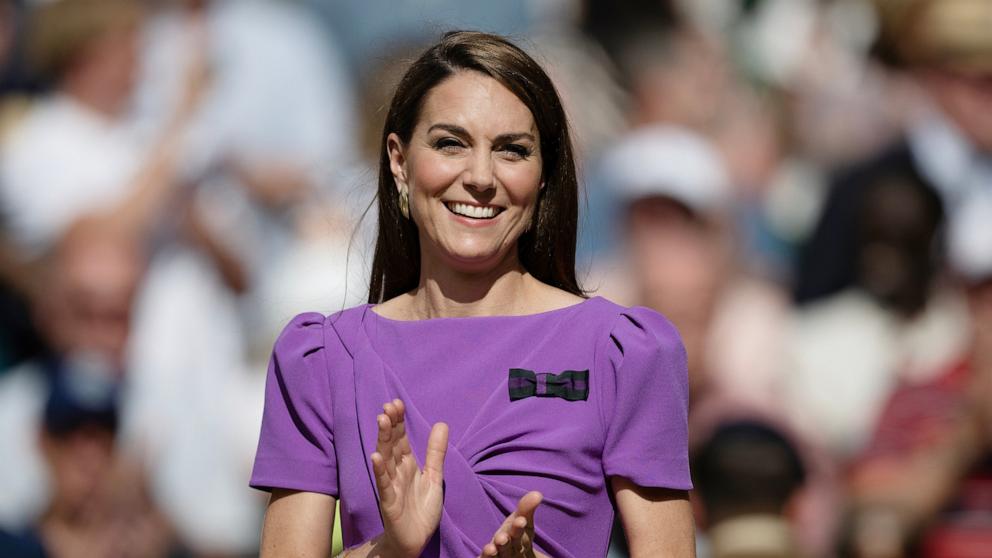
{"x": 473, "y": 211}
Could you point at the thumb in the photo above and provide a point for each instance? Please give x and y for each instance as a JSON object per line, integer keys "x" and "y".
{"x": 528, "y": 504}
{"x": 437, "y": 447}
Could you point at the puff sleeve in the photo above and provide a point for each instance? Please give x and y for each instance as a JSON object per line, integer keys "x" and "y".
{"x": 296, "y": 443}
{"x": 645, "y": 402}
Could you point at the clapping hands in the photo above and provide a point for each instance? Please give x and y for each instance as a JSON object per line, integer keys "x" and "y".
{"x": 410, "y": 498}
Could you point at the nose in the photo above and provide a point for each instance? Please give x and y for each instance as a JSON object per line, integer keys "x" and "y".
{"x": 479, "y": 172}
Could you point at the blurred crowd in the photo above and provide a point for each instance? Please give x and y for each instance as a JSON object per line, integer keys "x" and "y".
{"x": 804, "y": 187}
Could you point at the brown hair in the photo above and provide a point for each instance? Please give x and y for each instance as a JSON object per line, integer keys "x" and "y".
{"x": 547, "y": 250}
{"x": 58, "y": 32}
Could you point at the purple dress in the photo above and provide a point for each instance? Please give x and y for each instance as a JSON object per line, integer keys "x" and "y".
{"x": 557, "y": 402}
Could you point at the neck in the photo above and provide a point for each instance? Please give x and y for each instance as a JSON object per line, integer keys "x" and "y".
{"x": 60, "y": 512}
{"x": 446, "y": 292}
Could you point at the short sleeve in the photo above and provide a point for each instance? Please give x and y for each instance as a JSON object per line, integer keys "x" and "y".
{"x": 645, "y": 406}
{"x": 296, "y": 443}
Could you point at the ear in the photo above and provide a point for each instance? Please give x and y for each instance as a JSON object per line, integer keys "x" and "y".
{"x": 397, "y": 160}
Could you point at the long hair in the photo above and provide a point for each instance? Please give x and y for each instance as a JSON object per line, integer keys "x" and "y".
{"x": 547, "y": 250}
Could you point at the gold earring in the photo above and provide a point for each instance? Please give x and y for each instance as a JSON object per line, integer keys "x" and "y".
{"x": 405, "y": 202}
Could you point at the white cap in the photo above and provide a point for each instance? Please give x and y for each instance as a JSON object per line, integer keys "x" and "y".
{"x": 669, "y": 161}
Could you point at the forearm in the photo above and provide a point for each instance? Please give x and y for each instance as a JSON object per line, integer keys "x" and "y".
{"x": 378, "y": 547}
{"x": 657, "y": 521}
{"x": 154, "y": 187}
{"x": 230, "y": 266}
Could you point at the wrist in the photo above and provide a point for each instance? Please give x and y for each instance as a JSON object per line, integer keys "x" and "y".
{"x": 389, "y": 548}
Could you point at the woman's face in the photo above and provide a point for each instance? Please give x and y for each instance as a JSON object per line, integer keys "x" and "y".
{"x": 473, "y": 172}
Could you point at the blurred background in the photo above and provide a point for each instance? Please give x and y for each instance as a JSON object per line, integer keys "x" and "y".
{"x": 804, "y": 187}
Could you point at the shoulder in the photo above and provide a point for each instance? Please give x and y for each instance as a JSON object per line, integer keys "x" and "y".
{"x": 309, "y": 333}
{"x": 553, "y": 298}
{"x": 637, "y": 328}
{"x": 310, "y": 356}
{"x": 305, "y": 332}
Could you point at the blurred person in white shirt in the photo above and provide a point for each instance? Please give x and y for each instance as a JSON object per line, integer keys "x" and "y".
{"x": 273, "y": 147}
{"x": 188, "y": 403}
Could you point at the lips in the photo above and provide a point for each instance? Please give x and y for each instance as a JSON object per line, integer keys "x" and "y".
{"x": 473, "y": 211}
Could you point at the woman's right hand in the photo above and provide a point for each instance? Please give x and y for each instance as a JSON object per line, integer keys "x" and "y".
{"x": 515, "y": 537}
{"x": 409, "y": 498}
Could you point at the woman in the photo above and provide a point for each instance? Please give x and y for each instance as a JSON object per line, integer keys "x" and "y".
{"x": 479, "y": 383}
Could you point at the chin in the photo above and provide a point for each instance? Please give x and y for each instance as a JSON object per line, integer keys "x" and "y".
{"x": 468, "y": 261}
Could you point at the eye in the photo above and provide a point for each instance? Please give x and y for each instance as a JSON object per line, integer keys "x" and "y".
{"x": 448, "y": 145}
{"x": 516, "y": 151}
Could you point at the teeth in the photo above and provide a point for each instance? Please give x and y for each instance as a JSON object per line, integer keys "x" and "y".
{"x": 473, "y": 211}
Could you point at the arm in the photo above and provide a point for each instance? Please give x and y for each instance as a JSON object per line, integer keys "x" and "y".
{"x": 657, "y": 521}
{"x": 298, "y": 524}
{"x": 231, "y": 268}
{"x": 154, "y": 183}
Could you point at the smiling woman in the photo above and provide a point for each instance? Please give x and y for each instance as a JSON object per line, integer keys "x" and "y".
{"x": 480, "y": 404}
{"x": 492, "y": 112}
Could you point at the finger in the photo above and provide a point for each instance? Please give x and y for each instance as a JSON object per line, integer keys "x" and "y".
{"x": 517, "y": 529}
{"x": 516, "y": 532}
{"x": 401, "y": 445}
{"x": 503, "y": 544}
{"x": 489, "y": 550}
{"x": 395, "y": 434}
{"x": 384, "y": 445}
{"x": 437, "y": 447}
{"x": 392, "y": 411}
{"x": 528, "y": 504}
{"x": 525, "y": 509}
{"x": 404, "y": 441}
{"x": 382, "y": 480}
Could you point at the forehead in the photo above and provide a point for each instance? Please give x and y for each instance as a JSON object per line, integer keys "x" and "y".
{"x": 477, "y": 103}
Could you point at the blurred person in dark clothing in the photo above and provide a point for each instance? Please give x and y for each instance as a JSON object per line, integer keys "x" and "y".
{"x": 848, "y": 352}
{"x": 878, "y": 310}
{"x": 945, "y": 47}
{"x": 747, "y": 476}
{"x": 97, "y": 507}
{"x": 924, "y": 484}
{"x": 68, "y": 489}
{"x": 89, "y": 283}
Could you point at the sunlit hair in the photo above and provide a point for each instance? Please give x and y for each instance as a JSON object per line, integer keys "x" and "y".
{"x": 547, "y": 250}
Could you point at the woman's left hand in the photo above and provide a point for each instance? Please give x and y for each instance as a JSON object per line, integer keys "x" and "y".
{"x": 515, "y": 537}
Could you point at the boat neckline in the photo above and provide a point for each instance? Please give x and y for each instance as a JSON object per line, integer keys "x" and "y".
{"x": 370, "y": 309}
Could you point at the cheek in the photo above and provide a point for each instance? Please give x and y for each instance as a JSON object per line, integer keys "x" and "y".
{"x": 431, "y": 175}
{"x": 522, "y": 183}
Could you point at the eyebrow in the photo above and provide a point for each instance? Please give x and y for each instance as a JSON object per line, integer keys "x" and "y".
{"x": 462, "y": 132}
